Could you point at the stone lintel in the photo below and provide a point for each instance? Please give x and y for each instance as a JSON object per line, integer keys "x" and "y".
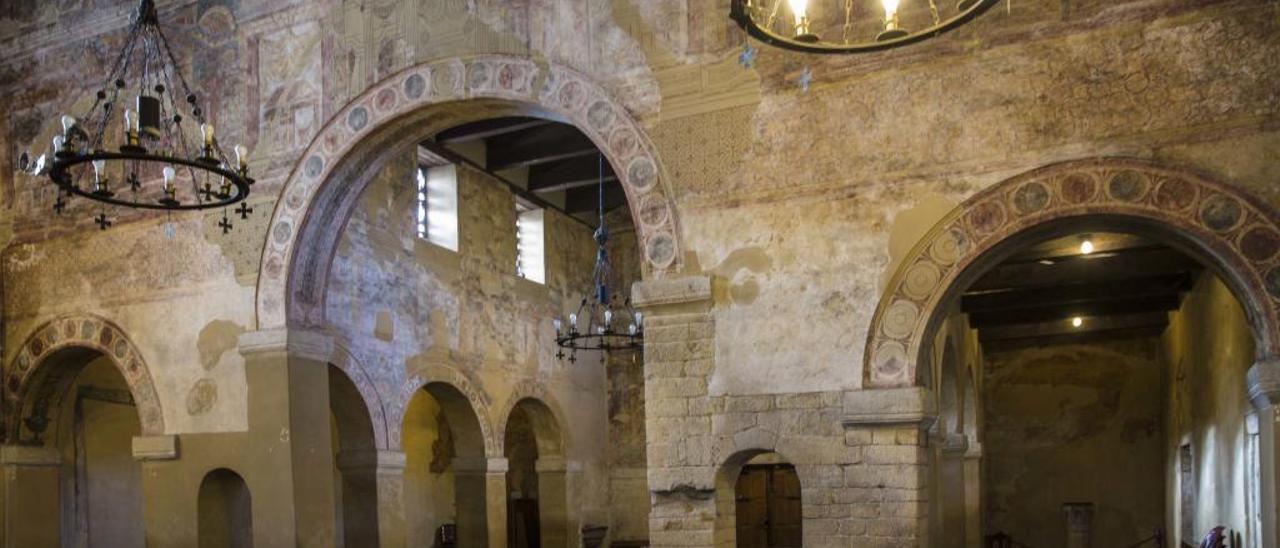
{"x": 671, "y": 291}
{"x": 479, "y": 465}
{"x": 371, "y": 460}
{"x": 889, "y": 406}
{"x": 297, "y": 342}
{"x": 163, "y": 447}
{"x": 1264, "y": 383}
{"x": 29, "y": 455}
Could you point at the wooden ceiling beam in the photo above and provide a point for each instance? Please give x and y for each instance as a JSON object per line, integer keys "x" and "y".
{"x": 537, "y": 146}
{"x": 1096, "y": 268}
{"x": 1075, "y": 293}
{"x": 486, "y": 129}
{"x": 1136, "y": 305}
{"x": 568, "y": 174}
{"x": 1063, "y": 327}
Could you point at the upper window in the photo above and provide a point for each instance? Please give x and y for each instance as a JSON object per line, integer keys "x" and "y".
{"x": 438, "y": 205}
{"x": 530, "y": 246}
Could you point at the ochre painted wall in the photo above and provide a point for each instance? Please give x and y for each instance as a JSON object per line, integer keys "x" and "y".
{"x": 1074, "y": 423}
{"x": 1209, "y": 348}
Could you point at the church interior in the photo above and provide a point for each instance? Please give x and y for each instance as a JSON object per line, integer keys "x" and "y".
{"x": 627, "y": 273}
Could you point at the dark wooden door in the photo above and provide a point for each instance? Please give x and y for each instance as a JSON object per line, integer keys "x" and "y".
{"x": 768, "y": 507}
{"x": 522, "y": 524}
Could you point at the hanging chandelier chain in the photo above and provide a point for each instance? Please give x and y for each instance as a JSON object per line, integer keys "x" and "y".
{"x": 848, "y": 20}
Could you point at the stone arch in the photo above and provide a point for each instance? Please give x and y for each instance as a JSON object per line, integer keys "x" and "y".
{"x": 31, "y": 383}
{"x": 545, "y": 412}
{"x": 455, "y": 380}
{"x": 1230, "y": 231}
{"x": 358, "y": 376}
{"x": 317, "y": 198}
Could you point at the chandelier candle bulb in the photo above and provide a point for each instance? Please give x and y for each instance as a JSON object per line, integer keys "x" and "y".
{"x": 631, "y": 330}
{"x": 608, "y": 317}
{"x": 242, "y": 157}
{"x": 68, "y": 122}
{"x": 206, "y": 131}
{"x": 573, "y": 322}
{"x": 556, "y": 323}
{"x": 58, "y": 142}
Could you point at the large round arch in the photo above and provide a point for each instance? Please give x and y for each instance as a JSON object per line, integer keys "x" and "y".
{"x": 1228, "y": 230}
{"x": 319, "y": 194}
{"x": 34, "y": 377}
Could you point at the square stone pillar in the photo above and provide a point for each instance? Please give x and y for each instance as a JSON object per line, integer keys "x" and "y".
{"x": 1263, "y": 385}
{"x": 481, "y": 484}
{"x": 891, "y": 482}
{"x": 288, "y": 377}
{"x": 973, "y": 494}
{"x": 679, "y": 356}
{"x": 553, "y": 502}
{"x": 373, "y": 496}
{"x": 29, "y": 501}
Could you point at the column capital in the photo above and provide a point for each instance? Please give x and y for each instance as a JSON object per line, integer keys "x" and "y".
{"x": 649, "y": 294}
{"x": 890, "y": 406}
{"x": 1264, "y": 383}
{"x": 29, "y": 455}
{"x": 479, "y": 465}
{"x": 147, "y": 448}
{"x": 295, "y": 342}
{"x": 955, "y": 445}
{"x": 372, "y": 460}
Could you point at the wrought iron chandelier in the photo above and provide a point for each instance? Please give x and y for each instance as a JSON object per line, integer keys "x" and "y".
{"x": 116, "y": 154}
{"x": 849, "y": 26}
{"x": 610, "y": 325}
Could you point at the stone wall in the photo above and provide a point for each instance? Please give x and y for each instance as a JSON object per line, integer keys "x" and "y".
{"x": 1209, "y": 348}
{"x": 1074, "y": 423}
{"x": 797, "y": 202}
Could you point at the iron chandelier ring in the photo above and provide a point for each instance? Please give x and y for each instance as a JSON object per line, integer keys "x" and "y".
{"x": 63, "y": 161}
{"x": 600, "y": 341}
{"x": 738, "y": 12}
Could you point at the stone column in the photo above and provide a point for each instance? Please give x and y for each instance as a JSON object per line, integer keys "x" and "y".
{"x": 953, "y": 489}
{"x": 169, "y": 505}
{"x": 30, "y": 495}
{"x": 679, "y": 355}
{"x": 481, "y": 484}
{"x": 888, "y": 426}
{"x": 373, "y": 505}
{"x": 1264, "y": 391}
{"x": 973, "y": 494}
{"x": 553, "y": 510}
{"x": 288, "y": 377}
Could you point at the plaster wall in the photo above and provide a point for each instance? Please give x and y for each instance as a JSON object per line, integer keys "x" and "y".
{"x": 1209, "y": 347}
{"x": 796, "y": 200}
{"x": 1074, "y": 423}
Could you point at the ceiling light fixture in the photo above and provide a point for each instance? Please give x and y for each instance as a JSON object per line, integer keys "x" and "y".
{"x": 609, "y": 325}
{"x": 133, "y": 137}
{"x": 1086, "y": 247}
{"x": 1077, "y": 321}
{"x": 840, "y": 26}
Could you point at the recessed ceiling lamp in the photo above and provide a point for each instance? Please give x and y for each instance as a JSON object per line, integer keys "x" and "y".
{"x": 849, "y": 26}
{"x": 131, "y": 148}
{"x": 1077, "y": 321}
{"x": 1086, "y": 246}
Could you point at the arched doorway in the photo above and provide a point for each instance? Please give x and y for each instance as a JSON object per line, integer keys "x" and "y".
{"x": 77, "y": 394}
{"x": 445, "y": 487}
{"x": 758, "y": 502}
{"x": 1233, "y": 236}
{"x": 226, "y": 511}
{"x": 537, "y": 512}
{"x": 355, "y": 462}
{"x": 419, "y": 102}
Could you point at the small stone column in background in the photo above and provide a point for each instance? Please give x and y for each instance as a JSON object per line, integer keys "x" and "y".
{"x": 1079, "y": 518}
